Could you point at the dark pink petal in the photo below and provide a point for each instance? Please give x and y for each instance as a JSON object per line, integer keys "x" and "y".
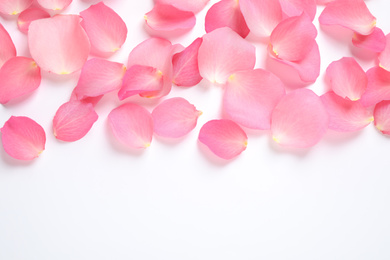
{"x": 14, "y": 7}
{"x": 376, "y": 41}
{"x": 7, "y": 47}
{"x": 226, "y": 13}
{"x": 185, "y": 5}
{"x": 292, "y": 38}
{"x": 169, "y": 18}
{"x": 296, "y": 7}
{"x": 382, "y": 117}
{"x": 224, "y": 138}
{"x": 54, "y": 4}
{"x": 18, "y": 76}
{"x": 352, "y": 14}
{"x": 378, "y": 87}
{"x": 299, "y": 120}
{"x": 29, "y": 15}
{"x": 222, "y": 53}
{"x": 23, "y": 138}
{"x": 384, "y": 56}
{"x": 99, "y": 77}
{"x": 345, "y": 115}
{"x": 73, "y": 120}
{"x": 174, "y": 118}
{"x": 185, "y": 65}
{"x": 250, "y": 97}
{"x": 132, "y": 125}
{"x": 105, "y": 28}
{"x": 261, "y": 16}
{"x": 59, "y": 44}
{"x": 347, "y": 78}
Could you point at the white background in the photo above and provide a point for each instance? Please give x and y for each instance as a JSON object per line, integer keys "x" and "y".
{"x": 94, "y": 199}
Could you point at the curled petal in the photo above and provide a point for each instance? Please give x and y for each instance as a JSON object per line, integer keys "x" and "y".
{"x": 185, "y": 5}
{"x": 347, "y": 78}
{"x": 92, "y": 100}
{"x": 7, "y": 47}
{"x": 250, "y": 97}
{"x": 222, "y": 53}
{"x": 384, "y": 56}
{"x": 54, "y": 4}
{"x": 224, "y": 138}
{"x": 296, "y": 7}
{"x": 376, "y": 41}
{"x": 378, "y": 87}
{"x": 29, "y": 15}
{"x": 18, "y": 76}
{"x": 299, "y": 120}
{"x": 23, "y": 138}
{"x": 59, "y": 44}
{"x": 132, "y": 125}
{"x": 14, "y": 7}
{"x": 169, "y": 18}
{"x": 382, "y": 117}
{"x": 345, "y": 115}
{"x": 105, "y": 28}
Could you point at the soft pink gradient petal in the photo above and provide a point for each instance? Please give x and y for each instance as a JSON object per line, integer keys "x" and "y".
{"x": 378, "y": 87}
{"x": 186, "y": 5}
{"x": 132, "y": 125}
{"x": 99, "y": 77}
{"x": 250, "y": 97}
{"x": 18, "y": 77}
{"x": 185, "y": 65}
{"x": 174, "y": 118}
{"x": 105, "y": 28}
{"x": 382, "y": 117}
{"x": 299, "y": 120}
{"x": 347, "y": 78}
{"x": 226, "y": 13}
{"x": 376, "y": 41}
{"x": 29, "y": 15}
{"x": 23, "y": 138}
{"x": 323, "y": 2}
{"x": 293, "y": 38}
{"x": 261, "y": 16}
{"x": 92, "y": 100}
{"x": 14, "y": 7}
{"x": 222, "y": 53}
{"x": 169, "y": 18}
{"x": 384, "y": 56}
{"x": 54, "y": 4}
{"x": 296, "y": 7}
{"x": 352, "y": 14}
{"x": 73, "y": 120}
{"x": 59, "y": 44}
{"x": 345, "y": 115}
{"x": 7, "y": 47}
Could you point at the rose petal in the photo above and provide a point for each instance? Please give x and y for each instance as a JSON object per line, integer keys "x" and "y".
{"x": 14, "y": 7}
{"x": 92, "y": 100}
{"x": 169, "y": 18}
{"x": 376, "y": 41}
{"x": 384, "y": 56}
{"x": 382, "y": 117}
{"x": 54, "y": 4}
{"x": 185, "y": 5}
{"x": 378, "y": 87}
{"x": 296, "y": 7}
{"x": 7, "y": 47}
{"x": 29, "y": 15}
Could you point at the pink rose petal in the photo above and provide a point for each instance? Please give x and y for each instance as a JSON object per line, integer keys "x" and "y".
{"x": 382, "y": 117}
{"x": 73, "y": 120}
{"x": 185, "y": 5}
{"x": 376, "y": 41}
{"x": 323, "y": 2}
{"x": 92, "y": 100}
{"x": 54, "y": 4}
{"x": 29, "y": 15}
{"x": 132, "y": 125}
{"x": 14, "y": 7}
{"x": 18, "y": 77}
{"x": 296, "y": 7}
{"x": 7, "y": 47}
{"x": 59, "y": 44}
{"x": 378, "y": 87}
{"x": 384, "y": 56}
{"x": 299, "y": 120}
{"x": 23, "y": 138}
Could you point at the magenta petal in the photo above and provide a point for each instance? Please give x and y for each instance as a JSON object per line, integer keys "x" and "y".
{"x": 23, "y": 138}
{"x": 18, "y": 76}
{"x": 378, "y": 87}
{"x": 384, "y": 56}
{"x": 169, "y": 18}
{"x": 296, "y": 7}
{"x": 345, "y": 115}
{"x": 226, "y": 13}
{"x": 29, "y": 15}
{"x": 174, "y": 118}
{"x": 132, "y": 125}
{"x": 185, "y": 5}
{"x": 299, "y": 120}
{"x": 73, "y": 120}
{"x": 14, "y": 7}
{"x": 224, "y": 138}
{"x": 7, "y": 47}
{"x": 54, "y": 4}
{"x": 376, "y": 41}
{"x": 382, "y": 117}
{"x": 250, "y": 97}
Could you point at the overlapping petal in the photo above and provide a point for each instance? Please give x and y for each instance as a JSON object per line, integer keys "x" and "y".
{"x": 296, "y": 7}
{"x": 29, "y": 15}
{"x": 376, "y": 41}
{"x": 168, "y": 18}
{"x": 382, "y": 117}
{"x": 378, "y": 87}
{"x": 185, "y": 5}
{"x": 54, "y": 4}
{"x": 7, "y": 47}
{"x": 14, "y": 7}
{"x": 91, "y": 100}
{"x": 384, "y": 56}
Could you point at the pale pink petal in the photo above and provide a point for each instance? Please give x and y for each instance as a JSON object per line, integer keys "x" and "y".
{"x": 345, "y": 115}
{"x": 224, "y": 138}
{"x": 14, "y": 7}
{"x": 23, "y": 138}
{"x": 378, "y": 87}
{"x": 292, "y": 38}
{"x": 168, "y": 18}
{"x": 99, "y": 77}
{"x": 384, "y": 56}
{"x": 54, "y": 4}
{"x": 222, "y": 53}
{"x": 18, "y": 76}
{"x": 324, "y": 2}
{"x": 226, "y": 13}
{"x": 186, "y": 5}
{"x": 376, "y": 41}
{"x": 132, "y": 125}
{"x": 7, "y": 47}
{"x": 92, "y": 100}
{"x": 352, "y": 14}
{"x": 59, "y": 44}
{"x": 73, "y": 120}
{"x": 185, "y": 65}
{"x": 29, "y": 15}
{"x": 105, "y": 28}
{"x": 261, "y": 16}
{"x": 250, "y": 97}
{"x": 296, "y": 7}
{"x": 299, "y": 120}
{"x": 382, "y": 117}
{"x": 347, "y": 78}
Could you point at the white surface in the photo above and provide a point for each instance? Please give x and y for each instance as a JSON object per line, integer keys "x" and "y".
{"x": 93, "y": 199}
